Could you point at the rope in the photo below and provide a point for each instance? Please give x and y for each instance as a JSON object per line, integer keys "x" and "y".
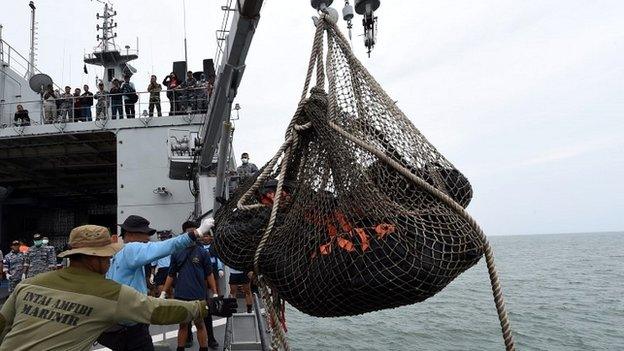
{"x": 260, "y": 180}
{"x": 278, "y": 337}
{"x": 279, "y": 341}
{"x": 318, "y": 43}
{"x": 489, "y": 257}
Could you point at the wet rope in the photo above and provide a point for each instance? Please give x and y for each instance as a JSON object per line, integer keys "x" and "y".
{"x": 279, "y": 341}
{"x": 489, "y": 256}
{"x": 278, "y": 336}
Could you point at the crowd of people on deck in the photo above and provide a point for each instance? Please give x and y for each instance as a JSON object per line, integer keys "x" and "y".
{"x": 174, "y": 279}
{"x": 186, "y": 96}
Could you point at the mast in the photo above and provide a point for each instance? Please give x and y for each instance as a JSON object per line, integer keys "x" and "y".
{"x": 184, "y": 20}
{"x": 106, "y": 53}
{"x": 31, "y": 59}
{"x": 107, "y": 41}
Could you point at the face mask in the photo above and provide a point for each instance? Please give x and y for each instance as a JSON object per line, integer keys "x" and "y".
{"x": 38, "y": 242}
{"x": 244, "y": 160}
{"x": 45, "y": 242}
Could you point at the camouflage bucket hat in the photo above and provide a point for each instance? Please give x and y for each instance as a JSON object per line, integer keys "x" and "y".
{"x": 92, "y": 240}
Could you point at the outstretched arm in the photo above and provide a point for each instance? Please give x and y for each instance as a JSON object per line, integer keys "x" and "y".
{"x": 136, "y": 307}
{"x": 140, "y": 254}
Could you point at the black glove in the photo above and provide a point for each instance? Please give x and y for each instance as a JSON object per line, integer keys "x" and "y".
{"x": 221, "y": 307}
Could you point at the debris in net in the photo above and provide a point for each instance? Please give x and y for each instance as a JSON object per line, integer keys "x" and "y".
{"x": 355, "y": 234}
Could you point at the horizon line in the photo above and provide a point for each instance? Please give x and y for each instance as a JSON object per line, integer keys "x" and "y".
{"x": 563, "y": 233}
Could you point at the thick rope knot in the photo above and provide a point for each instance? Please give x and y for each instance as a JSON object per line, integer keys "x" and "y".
{"x": 316, "y": 106}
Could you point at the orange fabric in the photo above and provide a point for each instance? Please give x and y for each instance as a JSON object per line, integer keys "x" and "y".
{"x": 325, "y": 248}
{"x": 339, "y": 234}
{"x": 268, "y": 198}
{"x": 346, "y": 245}
{"x": 365, "y": 241}
{"x": 331, "y": 230}
{"x": 384, "y": 229}
{"x": 342, "y": 220}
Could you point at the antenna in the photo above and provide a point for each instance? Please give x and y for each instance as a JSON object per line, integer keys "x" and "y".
{"x": 107, "y": 38}
{"x": 39, "y": 82}
{"x": 184, "y": 19}
{"x": 31, "y": 61}
{"x": 107, "y": 54}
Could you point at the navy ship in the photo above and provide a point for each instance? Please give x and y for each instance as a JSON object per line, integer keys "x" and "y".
{"x": 61, "y": 167}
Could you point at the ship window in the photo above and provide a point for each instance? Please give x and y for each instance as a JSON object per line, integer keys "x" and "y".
{"x": 111, "y": 74}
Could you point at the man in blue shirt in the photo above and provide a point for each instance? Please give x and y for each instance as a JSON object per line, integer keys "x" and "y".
{"x": 160, "y": 268}
{"x": 127, "y": 267}
{"x": 192, "y": 271}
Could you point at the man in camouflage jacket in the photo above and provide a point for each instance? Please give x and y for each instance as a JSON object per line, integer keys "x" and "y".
{"x": 39, "y": 259}
{"x": 14, "y": 265}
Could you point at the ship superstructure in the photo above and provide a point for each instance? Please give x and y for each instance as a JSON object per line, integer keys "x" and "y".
{"x": 57, "y": 173}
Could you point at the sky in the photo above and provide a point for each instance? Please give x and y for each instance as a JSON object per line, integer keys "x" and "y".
{"x": 526, "y": 98}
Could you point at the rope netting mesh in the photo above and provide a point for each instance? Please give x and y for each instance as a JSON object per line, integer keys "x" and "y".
{"x": 355, "y": 205}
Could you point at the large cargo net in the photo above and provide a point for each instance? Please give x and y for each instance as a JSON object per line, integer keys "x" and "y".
{"x": 357, "y": 211}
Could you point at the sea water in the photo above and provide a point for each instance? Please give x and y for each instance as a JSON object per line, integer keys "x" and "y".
{"x": 563, "y": 292}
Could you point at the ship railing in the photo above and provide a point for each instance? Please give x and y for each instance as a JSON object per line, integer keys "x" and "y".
{"x": 99, "y": 50}
{"x": 74, "y": 109}
{"x": 14, "y": 60}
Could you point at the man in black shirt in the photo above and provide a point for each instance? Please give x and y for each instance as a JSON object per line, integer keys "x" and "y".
{"x": 116, "y": 100}
{"x": 192, "y": 271}
{"x": 86, "y": 102}
{"x": 129, "y": 95}
{"x": 21, "y": 116}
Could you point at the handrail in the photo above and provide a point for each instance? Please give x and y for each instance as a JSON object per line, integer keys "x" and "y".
{"x": 262, "y": 329}
{"x": 97, "y": 50}
{"x": 11, "y": 48}
{"x": 185, "y": 101}
{"x": 23, "y": 65}
{"x": 176, "y": 90}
